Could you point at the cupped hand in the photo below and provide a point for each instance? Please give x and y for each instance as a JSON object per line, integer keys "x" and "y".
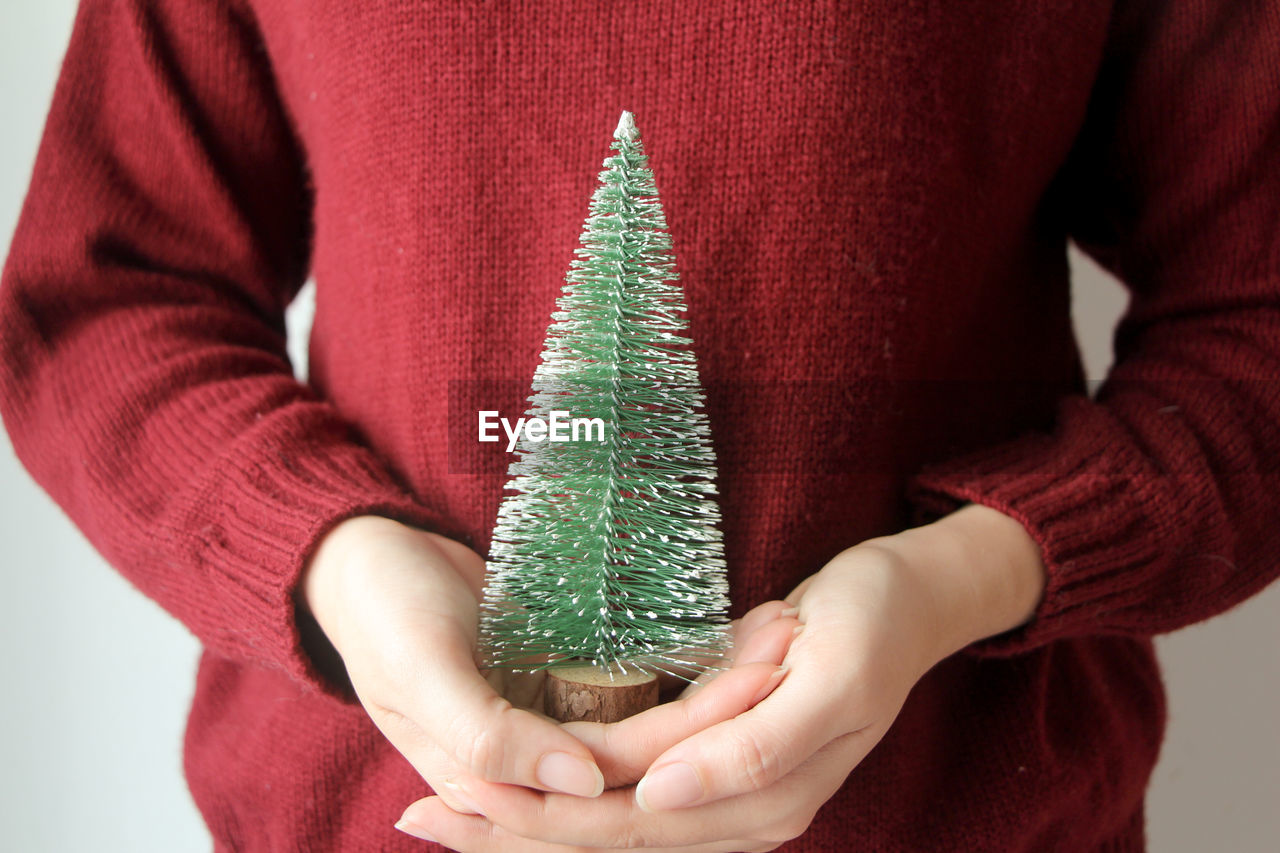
{"x": 400, "y": 606}
{"x": 624, "y": 750}
{"x": 876, "y": 618}
{"x": 746, "y": 782}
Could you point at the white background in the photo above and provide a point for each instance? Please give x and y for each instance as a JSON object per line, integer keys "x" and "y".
{"x": 97, "y": 679}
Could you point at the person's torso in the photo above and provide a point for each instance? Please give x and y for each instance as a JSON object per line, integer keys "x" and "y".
{"x": 875, "y": 276}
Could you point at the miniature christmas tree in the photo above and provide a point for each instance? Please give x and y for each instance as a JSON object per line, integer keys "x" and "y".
{"x": 609, "y": 553}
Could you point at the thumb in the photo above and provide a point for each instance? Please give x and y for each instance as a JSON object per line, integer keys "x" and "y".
{"x": 486, "y": 736}
{"x": 407, "y": 636}
{"x": 624, "y": 750}
{"x": 744, "y": 754}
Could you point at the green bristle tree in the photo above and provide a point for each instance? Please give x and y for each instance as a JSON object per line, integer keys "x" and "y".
{"x": 609, "y": 552}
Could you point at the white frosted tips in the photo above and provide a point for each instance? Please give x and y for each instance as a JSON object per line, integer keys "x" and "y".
{"x": 626, "y": 127}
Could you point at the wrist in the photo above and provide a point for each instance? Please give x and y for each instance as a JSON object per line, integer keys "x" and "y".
{"x": 338, "y": 566}
{"x": 319, "y": 588}
{"x": 981, "y": 571}
{"x": 314, "y": 597}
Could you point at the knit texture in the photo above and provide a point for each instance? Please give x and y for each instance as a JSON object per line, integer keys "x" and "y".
{"x": 870, "y": 205}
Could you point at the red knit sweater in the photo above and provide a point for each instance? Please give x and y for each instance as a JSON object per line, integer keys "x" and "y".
{"x": 870, "y": 206}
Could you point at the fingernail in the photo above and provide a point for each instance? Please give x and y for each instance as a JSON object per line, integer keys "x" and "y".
{"x": 795, "y": 632}
{"x": 457, "y": 792}
{"x": 671, "y": 787}
{"x": 768, "y": 686}
{"x": 408, "y": 827}
{"x": 569, "y": 774}
{"x": 789, "y": 612}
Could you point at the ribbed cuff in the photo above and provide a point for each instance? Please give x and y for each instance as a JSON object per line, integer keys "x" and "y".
{"x": 279, "y": 510}
{"x": 1084, "y": 499}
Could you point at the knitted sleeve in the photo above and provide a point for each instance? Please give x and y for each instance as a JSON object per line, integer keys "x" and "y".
{"x": 1157, "y": 503}
{"x": 144, "y": 379}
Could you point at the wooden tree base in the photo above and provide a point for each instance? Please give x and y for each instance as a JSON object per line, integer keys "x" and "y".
{"x": 587, "y": 692}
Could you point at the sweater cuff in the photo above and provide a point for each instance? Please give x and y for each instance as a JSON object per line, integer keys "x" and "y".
{"x": 281, "y": 510}
{"x": 1083, "y": 502}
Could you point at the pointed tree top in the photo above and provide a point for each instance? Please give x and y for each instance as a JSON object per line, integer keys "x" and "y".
{"x": 626, "y": 127}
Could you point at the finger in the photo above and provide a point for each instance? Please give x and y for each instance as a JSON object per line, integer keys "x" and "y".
{"x": 706, "y": 666}
{"x": 768, "y": 643}
{"x": 624, "y": 750}
{"x": 435, "y": 766}
{"x": 762, "y": 640}
{"x": 453, "y": 796}
{"x": 759, "y": 820}
{"x": 439, "y": 771}
{"x": 750, "y": 752}
{"x": 448, "y": 704}
{"x": 757, "y": 618}
{"x": 480, "y": 835}
{"x": 428, "y": 820}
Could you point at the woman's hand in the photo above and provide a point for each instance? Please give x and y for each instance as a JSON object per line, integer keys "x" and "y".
{"x": 876, "y": 618}
{"x": 400, "y": 607}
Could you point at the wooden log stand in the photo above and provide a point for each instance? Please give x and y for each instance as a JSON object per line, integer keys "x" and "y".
{"x": 590, "y": 693}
